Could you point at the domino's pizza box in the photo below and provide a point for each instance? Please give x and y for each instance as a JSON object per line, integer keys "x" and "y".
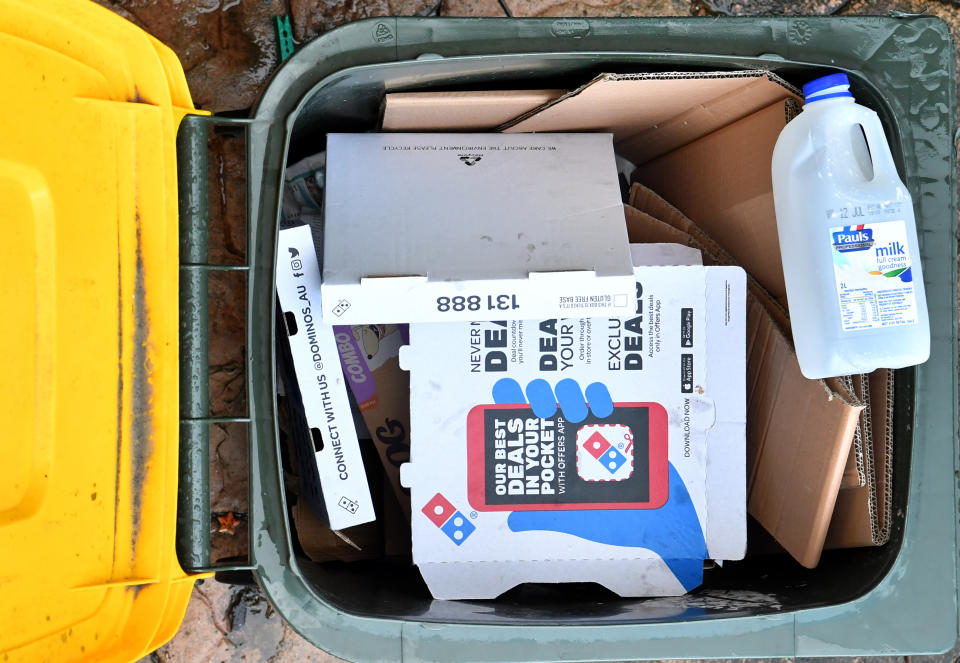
{"x": 460, "y": 227}
{"x": 607, "y": 450}
{"x": 329, "y": 458}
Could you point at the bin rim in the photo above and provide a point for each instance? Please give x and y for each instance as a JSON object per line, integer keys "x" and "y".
{"x": 870, "y": 624}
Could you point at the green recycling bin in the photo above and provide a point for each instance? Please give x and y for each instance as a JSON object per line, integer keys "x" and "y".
{"x": 896, "y": 599}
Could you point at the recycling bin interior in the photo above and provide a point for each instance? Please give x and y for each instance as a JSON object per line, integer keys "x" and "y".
{"x": 337, "y": 84}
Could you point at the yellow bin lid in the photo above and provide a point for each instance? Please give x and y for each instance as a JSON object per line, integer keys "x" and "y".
{"x": 89, "y": 334}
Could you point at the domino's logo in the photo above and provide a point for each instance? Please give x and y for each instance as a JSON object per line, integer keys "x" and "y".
{"x": 604, "y": 452}
{"x": 446, "y": 517}
{"x": 600, "y": 448}
{"x": 853, "y": 238}
{"x": 348, "y": 504}
{"x": 341, "y": 307}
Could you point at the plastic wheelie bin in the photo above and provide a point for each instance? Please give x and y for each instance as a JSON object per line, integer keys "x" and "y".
{"x": 104, "y": 489}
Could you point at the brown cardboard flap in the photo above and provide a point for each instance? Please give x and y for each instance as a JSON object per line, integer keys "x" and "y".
{"x": 723, "y": 182}
{"x": 881, "y": 398}
{"x": 642, "y": 228}
{"x": 482, "y": 110}
{"x": 650, "y": 202}
{"x": 854, "y": 520}
{"x": 799, "y": 434}
{"x": 321, "y": 544}
{"x": 862, "y": 515}
{"x": 799, "y": 431}
{"x": 651, "y": 114}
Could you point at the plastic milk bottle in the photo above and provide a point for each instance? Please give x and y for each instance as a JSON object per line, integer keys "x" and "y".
{"x": 847, "y": 239}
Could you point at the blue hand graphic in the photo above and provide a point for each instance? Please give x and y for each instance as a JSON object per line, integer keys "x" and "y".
{"x": 672, "y": 531}
{"x": 543, "y": 399}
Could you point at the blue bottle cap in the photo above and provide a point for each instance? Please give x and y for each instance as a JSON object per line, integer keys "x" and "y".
{"x": 826, "y": 87}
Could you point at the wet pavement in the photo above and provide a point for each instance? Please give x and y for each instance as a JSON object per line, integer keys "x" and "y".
{"x": 228, "y": 50}
{"x": 235, "y": 624}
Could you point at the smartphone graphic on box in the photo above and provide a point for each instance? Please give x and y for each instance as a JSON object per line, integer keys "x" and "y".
{"x": 520, "y": 462}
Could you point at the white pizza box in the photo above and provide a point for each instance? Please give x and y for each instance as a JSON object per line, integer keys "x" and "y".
{"x": 633, "y": 496}
{"x": 459, "y": 227}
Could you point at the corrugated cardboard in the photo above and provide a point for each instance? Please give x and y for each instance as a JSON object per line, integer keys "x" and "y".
{"x": 481, "y": 110}
{"x": 644, "y": 199}
{"x": 643, "y": 228}
{"x": 862, "y": 515}
{"x": 799, "y": 431}
{"x": 732, "y": 200}
{"x": 881, "y": 395}
{"x": 651, "y": 114}
{"x": 854, "y": 473}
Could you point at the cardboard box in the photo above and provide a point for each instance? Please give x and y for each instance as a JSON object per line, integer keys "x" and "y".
{"x": 481, "y": 110}
{"x": 651, "y": 114}
{"x": 321, "y": 388}
{"x": 733, "y": 199}
{"x": 799, "y": 431}
{"x": 645, "y": 485}
{"x": 447, "y": 227}
{"x": 369, "y": 358}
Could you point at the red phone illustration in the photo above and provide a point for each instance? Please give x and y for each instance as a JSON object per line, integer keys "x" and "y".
{"x": 520, "y": 462}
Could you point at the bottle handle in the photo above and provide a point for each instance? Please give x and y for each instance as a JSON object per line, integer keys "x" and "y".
{"x": 880, "y": 153}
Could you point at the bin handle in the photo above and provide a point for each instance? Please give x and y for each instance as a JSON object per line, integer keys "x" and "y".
{"x": 193, "y": 493}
